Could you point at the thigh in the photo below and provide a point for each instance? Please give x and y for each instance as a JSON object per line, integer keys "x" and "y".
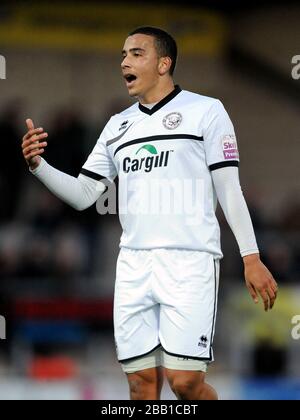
{"x": 136, "y": 314}
{"x": 188, "y": 312}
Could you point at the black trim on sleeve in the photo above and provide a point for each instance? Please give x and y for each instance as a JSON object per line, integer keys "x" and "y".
{"x": 91, "y": 174}
{"x": 140, "y": 355}
{"x": 219, "y": 165}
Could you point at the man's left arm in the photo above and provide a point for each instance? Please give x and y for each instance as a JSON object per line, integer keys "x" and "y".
{"x": 258, "y": 278}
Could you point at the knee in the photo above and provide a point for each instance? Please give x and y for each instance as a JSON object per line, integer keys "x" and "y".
{"x": 185, "y": 388}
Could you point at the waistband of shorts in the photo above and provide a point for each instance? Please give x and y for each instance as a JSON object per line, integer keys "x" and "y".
{"x": 167, "y": 249}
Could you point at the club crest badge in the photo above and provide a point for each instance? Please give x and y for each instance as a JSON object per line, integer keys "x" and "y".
{"x": 172, "y": 121}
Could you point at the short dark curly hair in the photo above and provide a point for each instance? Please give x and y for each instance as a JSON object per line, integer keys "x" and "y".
{"x": 165, "y": 44}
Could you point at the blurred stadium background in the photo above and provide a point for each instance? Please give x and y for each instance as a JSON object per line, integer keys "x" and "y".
{"x": 57, "y": 266}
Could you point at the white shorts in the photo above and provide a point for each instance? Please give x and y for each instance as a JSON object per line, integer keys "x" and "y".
{"x": 168, "y": 298}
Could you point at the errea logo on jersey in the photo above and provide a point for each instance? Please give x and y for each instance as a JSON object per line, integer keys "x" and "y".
{"x": 123, "y": 125}
{"x": 154, "y": 159}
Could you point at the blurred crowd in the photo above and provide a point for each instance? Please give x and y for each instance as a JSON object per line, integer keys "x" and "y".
{"x": 48, "y": 248}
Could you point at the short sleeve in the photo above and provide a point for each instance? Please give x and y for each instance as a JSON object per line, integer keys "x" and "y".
{"x": 99, "y": 163}
{"x": 219, "y": 138}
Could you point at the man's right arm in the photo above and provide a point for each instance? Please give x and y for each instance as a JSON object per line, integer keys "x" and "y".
{"x": 79, "y": 193}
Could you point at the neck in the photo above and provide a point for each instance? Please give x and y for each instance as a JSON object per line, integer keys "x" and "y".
{"x": 157, "y": 93}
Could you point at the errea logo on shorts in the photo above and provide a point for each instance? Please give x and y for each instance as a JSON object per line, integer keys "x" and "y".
{"x": 203, "y": 340}
{"x": 147, "y": 159}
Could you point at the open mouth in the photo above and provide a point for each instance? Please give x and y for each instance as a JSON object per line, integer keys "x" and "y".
{"x": 130, "y": 78}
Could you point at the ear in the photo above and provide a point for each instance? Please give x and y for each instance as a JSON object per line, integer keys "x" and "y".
{"x": 164, "y": 65}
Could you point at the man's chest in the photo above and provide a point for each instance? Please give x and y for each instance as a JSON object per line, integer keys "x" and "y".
{"x": 148, "y": 142}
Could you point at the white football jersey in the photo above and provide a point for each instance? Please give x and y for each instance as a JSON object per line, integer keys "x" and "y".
{"x": 163, "y": 157}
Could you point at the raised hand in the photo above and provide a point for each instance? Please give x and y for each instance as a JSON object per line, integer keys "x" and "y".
{"x": 33, "y": 145}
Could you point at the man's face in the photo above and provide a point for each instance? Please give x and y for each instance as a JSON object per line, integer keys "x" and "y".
{"x": 140, "y": 64}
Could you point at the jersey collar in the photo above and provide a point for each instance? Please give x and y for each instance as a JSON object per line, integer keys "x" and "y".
{"x": 161, "y": 103}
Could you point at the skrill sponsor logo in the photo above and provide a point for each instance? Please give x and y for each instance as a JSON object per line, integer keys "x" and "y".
{"x": 230, "y": 149}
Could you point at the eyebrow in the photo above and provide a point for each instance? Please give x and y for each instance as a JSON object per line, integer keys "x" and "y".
{"x": 133, "y": 50}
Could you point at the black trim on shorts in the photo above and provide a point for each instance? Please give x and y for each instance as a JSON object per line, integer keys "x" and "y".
{"x": 219, "y": 165}
{"x": 140, "y": 355}
{"x": 161, "y": 103}
{"x": 92, "y": 175}
{"x": 159, "y": 137}
{"x": 204, "y": 359}
{"x": 215, "y": 312}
